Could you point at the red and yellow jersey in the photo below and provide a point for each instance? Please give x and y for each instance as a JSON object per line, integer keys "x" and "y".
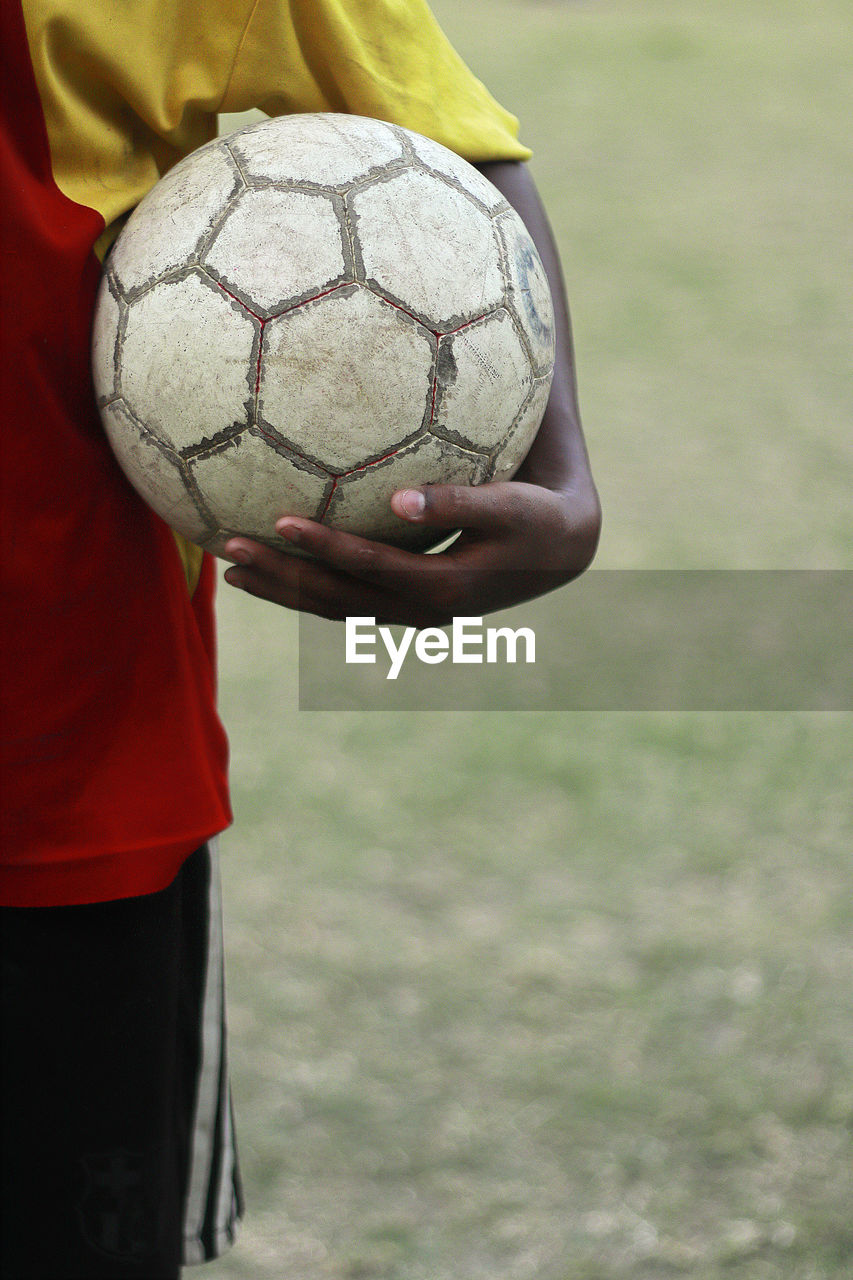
{"x": 113, "y": 756}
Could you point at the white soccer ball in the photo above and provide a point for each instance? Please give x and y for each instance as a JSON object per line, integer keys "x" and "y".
{"x": 307, "y": 315}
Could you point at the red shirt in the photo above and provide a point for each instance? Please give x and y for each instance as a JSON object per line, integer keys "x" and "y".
{"x": 113, "y": 756}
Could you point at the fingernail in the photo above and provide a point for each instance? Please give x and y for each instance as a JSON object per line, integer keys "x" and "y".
{"x": 286, "y": 529}
{"x": 240, "y": 554}
{"x": 413, "y": 502}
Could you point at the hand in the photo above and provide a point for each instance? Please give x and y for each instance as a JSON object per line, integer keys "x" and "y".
{"x": 518, "y": 540}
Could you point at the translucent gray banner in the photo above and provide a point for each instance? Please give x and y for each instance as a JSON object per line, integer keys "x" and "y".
{"x": 626, "y": 640}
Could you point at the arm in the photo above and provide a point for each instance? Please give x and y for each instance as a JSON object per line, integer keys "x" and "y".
{"x": 519, "y": 538}
{"x": 558, "y": 457}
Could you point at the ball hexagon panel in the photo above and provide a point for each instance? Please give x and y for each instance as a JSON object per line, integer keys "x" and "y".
{"x": 484, "y": 377}
{"x": 315, "y": 149}
{"x": 104, "y": 338}
{"x": 360, "y": 501}
{"x": 248, "y": 484}
{"x": 510, "y": 457}
{"x": 414, "y": 219}
{"x": 171, "y": 223}
{"x": 156, "y": 473}
{"x": 444, "y": 161}
{"x": 528, "y": 291}
{"x": 376, "y": 386}
{"x": 299, "y": 253}
{"x": 187, "y": 367}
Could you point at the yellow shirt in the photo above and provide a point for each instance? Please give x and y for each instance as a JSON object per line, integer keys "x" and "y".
{"x": 131, "y": 86}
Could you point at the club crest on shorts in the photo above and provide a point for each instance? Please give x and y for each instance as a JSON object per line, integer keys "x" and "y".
{"x": 116, "y": 1213}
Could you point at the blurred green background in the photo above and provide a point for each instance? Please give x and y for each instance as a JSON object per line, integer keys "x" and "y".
{"x": 570, "y": 996}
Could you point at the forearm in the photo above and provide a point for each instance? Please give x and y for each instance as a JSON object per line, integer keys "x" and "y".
{"x": 558, "y": 458}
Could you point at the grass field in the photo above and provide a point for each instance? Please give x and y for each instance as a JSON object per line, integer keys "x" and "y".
{"x": 570, "y": 996}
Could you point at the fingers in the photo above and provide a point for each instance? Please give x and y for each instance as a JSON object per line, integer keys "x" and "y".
{"x": 314, "y": 587}
{"x": 285, "y": 579}
{"x": 312, "y": 592}
{"x": 368, "y": 561}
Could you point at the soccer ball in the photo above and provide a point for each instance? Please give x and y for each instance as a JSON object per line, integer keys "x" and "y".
{"x": 309, "y": 314}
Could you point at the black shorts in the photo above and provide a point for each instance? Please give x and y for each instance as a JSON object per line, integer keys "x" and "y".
{"x": 117, "y": 1153}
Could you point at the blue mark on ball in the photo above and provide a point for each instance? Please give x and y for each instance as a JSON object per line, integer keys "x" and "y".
{"x": 527, "y": 268}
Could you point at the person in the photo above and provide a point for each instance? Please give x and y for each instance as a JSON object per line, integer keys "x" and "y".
{"x": 117, "y": 1137}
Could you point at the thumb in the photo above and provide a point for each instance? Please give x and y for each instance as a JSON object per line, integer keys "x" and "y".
{"x": 457, "y": 506}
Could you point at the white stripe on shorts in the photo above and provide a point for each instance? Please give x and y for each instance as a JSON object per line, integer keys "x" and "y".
{"x": 203, "y": 1239}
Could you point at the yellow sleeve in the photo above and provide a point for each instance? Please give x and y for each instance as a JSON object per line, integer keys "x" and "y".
{"x": 383, "y": 58}
{"x": 128, "y": 88}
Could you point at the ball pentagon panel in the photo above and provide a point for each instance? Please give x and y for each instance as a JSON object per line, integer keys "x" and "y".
{"x": 428, "y": 247}
{"x": 105, "y": 332}
{"x": 300, "y": 253}
{"x": 441, "y": 160}
{"x": 520, "y": 436}
{"x": 328, "y": 150}
{"x": 484, "y": 377}
{"x": 171, "y": 224}
{"x": 248, "y": 484}
{"x": 159, "y": 475}
{"x": 360, "y": 501}
{"x": 345, "y": 378}
{"x": 187, "y": 366}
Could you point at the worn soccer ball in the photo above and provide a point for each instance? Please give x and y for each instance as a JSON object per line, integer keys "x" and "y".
{"x": 309, "y": 314}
